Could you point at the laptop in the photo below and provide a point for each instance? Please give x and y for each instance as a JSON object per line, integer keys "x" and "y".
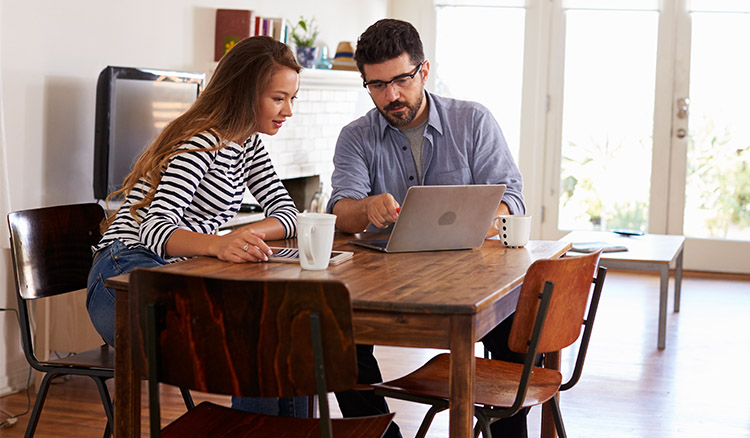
{"x": 434, "y": 218}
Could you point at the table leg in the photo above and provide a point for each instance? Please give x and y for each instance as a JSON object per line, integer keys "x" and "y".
{"x": 551, "y": 361}
{"x": 127, "y": 403}
{"x": 463, "y": 372}
{"x": 664, "y": 274}
{"x": 678, "y": 280}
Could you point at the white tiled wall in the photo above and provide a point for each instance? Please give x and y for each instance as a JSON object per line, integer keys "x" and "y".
{"x": 327, "y": 101}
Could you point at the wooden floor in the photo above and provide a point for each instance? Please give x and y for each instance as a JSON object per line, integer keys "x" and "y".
{"x": 697, "y": 387}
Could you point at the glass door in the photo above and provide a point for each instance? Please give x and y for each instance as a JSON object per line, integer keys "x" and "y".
{"x": 712, "y": 124}
{"x": 608, "y": 107}
{"x": 601, "y": 116}
{"x": 647, "y": 125}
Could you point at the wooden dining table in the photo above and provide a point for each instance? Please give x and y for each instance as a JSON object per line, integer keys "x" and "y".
{"x": 440, "y": 299}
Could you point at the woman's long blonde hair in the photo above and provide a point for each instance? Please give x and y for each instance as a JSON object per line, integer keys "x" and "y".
{"x": 228, "y": 106}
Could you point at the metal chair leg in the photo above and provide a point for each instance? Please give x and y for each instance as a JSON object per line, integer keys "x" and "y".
{"x": 101, "y": 384}
{"x": 40, "y": 397}
{"x": 429, "y": 416}
{"x": 483, "y": 424}
{"x": 187, "y": 398}
{"x": 557, "y": 416}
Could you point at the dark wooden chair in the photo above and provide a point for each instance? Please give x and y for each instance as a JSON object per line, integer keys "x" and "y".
{"x": 51, "y": 252}
{"x": 246, "y": 338}
{"x": 545, "y": 321}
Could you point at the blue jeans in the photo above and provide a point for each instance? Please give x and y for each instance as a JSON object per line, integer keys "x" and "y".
{"x": 114, "y": 260}
{"x": 117, "y": 259}
{"x": 285, "y": 407}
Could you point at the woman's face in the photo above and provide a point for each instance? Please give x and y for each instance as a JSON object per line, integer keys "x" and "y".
{"x": 277, "y": 100}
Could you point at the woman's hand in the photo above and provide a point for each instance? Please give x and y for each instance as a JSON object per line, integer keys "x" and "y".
{"x": 242, "y": 245}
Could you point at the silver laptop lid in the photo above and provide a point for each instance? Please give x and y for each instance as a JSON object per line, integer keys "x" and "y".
{"x": 445, "y": 217}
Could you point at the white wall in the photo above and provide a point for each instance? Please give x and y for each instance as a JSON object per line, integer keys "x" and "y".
{"x": 51, "y": 53}
{"x": 11, "y": 360}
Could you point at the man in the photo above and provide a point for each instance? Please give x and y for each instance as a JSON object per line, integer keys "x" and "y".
{"x": 413, "y": 137}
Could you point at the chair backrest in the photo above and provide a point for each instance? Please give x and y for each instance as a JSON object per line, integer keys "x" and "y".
{"x": 572, "y": 278}
{"x": 242, "y": 337}
{"x": 51, "y": 248}
{"x": 51, "y": 253}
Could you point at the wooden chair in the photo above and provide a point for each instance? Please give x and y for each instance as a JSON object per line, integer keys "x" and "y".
{"x": 246, "y": 338}
{"x": 544, "y": 322}
{"x": 51, "y": 252}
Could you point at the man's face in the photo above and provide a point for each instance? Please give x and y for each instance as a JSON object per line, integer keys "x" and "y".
{"x": 397, "y": 94}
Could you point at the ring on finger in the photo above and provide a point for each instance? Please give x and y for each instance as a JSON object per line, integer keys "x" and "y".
{"x": 245, "y": 248}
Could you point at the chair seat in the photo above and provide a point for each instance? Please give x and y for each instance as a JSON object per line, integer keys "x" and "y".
{"x": 496, "y": 382}
{"x": 97, "y": 358}
{"x": 211, "y": 420}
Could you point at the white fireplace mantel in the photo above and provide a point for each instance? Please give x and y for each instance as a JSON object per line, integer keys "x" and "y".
{"x": 315, "y": 78}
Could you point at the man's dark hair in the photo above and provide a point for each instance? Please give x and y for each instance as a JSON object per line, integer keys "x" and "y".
{"x": 388, "y": 39}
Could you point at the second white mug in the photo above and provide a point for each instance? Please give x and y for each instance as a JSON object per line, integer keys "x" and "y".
{"x": 514, "y": 229}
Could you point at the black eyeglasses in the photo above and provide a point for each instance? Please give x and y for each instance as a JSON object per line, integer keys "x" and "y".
{"x": 401, "y": 82}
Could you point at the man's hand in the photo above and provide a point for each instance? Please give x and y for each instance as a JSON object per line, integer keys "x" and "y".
{"x": 382, "y": 210}
{"x": 354, "y": 215}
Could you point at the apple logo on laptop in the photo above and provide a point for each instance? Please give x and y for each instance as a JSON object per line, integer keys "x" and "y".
{"x": 447, "y": 218}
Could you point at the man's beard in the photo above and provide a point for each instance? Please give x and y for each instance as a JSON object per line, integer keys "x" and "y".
{"x": 404, "y": 118}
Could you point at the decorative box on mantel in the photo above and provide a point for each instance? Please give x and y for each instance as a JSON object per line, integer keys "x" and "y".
{"x": 302, "y": 151}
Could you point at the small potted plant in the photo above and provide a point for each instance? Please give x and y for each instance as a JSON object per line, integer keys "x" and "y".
{"x": 304, "y": 34}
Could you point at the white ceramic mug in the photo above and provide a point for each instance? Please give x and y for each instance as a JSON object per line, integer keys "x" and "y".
{"x": 514, "y": 229}
{"x": 315, "y": 239}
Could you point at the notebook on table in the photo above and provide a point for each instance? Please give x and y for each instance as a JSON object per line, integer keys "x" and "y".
{"x": 434, "y": 218}
{"x": 589, "y": 247}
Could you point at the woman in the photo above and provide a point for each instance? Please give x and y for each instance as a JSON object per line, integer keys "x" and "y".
{"x": 192, "y": 178}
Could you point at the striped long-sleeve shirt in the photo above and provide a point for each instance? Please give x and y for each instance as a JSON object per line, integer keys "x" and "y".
{"x": 199, "y": 191}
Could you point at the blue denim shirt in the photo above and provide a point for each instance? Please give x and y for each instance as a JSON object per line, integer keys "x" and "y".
{"x": 463, "y": 144}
